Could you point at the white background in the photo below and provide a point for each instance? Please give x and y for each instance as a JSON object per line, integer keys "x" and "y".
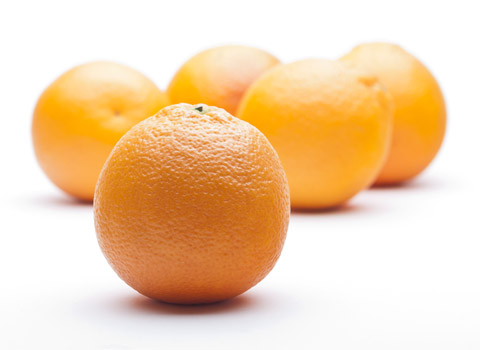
{"x": 396, "y": 269}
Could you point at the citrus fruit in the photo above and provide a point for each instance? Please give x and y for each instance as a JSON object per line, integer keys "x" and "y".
{"x": 192, "y": 206}
{"x": 330, "y": 124}
{"x": 419, "y": 115}
{"x": 81, "y": 115}
{"x": 219, "y": 76}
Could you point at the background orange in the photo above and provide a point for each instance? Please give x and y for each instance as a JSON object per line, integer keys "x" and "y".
{"x": 219, "y": 76}
{"x": 330, "y": 124}
{"x": 81, "y": 116}
{"x": 419, "y": 108}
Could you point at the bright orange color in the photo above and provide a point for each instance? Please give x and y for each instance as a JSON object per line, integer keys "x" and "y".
{"x": 420, "y": 113}
{"x": 81, "y": 115}
{"x": 330, "y": 124}
{"x": 192, "y": 206}
{"x": 219, "y": 76}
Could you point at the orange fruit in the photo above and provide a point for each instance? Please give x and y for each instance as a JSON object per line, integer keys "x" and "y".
{"x": 419, "y": 116}
{"x": 330, "y": 124}
{"x": 219, "y": 76}
{"x": 81, "y": 116}
{"x": 192, "y": 206}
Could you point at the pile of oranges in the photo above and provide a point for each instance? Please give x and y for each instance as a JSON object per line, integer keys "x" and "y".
{"x": 192, "y": 187}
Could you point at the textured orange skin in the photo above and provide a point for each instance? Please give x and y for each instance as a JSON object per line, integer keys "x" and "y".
{"x": 192, "y": 208}
{"x": 81, "y": 116}
{"x": 219, "y": 76}
{"x": 330, "y": 124}
{"x": 420, "y": 113}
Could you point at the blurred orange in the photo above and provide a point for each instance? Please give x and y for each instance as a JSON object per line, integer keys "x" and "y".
{"x": 419, "y": 116}
{"x": 219, "y": 76}
{"x": 330, "y": 124}
{"x": 81, "y": 115}
{"x": 192, "y": 206}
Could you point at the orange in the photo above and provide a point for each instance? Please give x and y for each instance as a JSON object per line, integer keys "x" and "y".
{"x": 330, "y": 124}
{"x": 419, "y": 116}
{"x": 192, "y": 206}
{"x": 219, "y": 76}
{"x": 81, "y": 115}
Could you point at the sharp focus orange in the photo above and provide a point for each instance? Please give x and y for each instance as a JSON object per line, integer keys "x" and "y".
{"x": 192, "y": 206}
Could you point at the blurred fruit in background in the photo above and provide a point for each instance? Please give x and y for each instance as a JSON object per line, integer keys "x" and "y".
{"x": 419, "y": 115}
{"x": 330, "y": 124}
{"x": 81, "y": 116}
{"x": 192, "y": 206}
{"x": 219, "y": 76}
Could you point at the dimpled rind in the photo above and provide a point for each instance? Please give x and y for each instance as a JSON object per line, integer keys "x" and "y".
{"x": 192, "y": 207}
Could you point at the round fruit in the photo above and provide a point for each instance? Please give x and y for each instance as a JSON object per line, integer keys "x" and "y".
{"x": 81, "y": 115}
{"x": 219, "y": 76}
{"x": 419, "y": 115}
{"x": 192, "y": 206}
{"x": 329, "y": 123}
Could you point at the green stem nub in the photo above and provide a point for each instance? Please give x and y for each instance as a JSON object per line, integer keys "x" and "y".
{"x": 200, "y": 108}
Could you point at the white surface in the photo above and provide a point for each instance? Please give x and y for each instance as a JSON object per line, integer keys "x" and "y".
{"x": 397, "y": 269}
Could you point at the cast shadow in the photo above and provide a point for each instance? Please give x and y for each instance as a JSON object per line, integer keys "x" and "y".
{"x": 347, "y": 208}
{"x": 415, "y": 184}
{"x": 145, "y": 305}
{"x": 57, "y": 201}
